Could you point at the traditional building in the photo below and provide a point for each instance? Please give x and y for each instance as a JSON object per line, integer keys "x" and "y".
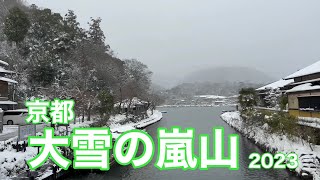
{"x": 304, "y": 92}
{"x": 133, "y": 106}
{"x": 5, "y": 103}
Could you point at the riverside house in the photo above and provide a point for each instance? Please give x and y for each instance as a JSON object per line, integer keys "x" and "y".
{"x": 5, "y": 103}
{"x": 304, "y": 92}
{"x": 302, "y": 89}
{"x": 133, "y": 106}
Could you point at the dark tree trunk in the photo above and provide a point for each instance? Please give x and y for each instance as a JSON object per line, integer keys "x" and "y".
{"x": 89, "y": 114}
{"x": 82, "y": 115}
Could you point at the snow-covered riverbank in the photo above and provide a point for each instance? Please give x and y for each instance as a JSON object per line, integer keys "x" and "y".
{"x": 121, "y": 122}
{"x": 274, "y": 143}
{"x": 197, "y": 105}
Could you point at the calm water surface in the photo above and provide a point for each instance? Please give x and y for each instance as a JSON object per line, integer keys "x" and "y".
{"x": 202, "y": 119}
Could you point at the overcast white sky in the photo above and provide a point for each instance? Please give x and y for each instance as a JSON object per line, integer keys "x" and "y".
{"x": 175, "y": 37}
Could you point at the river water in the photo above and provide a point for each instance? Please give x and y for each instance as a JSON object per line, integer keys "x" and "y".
{"x": 202, "y": 119}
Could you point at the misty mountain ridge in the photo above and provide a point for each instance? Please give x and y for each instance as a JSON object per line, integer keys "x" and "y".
{"x": 229, "y": 74}
{"x": 222, "y": 81}
{"x": 209, "y": 88}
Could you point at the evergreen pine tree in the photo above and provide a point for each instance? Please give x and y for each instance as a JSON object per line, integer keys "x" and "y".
{"x": 16, "y": 25}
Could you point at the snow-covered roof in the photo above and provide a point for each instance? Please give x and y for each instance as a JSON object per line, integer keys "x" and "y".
{"x": 2, "y": 70}
{"x": 304, "y": 87}
{"x": 132, "y": 102}
{"x": 4, "y": 63}
{"x": 7, "y": 103}
{"x": 278, "y": 84}
{"x": 313, "y": 68}
{"x": 8, "y": 80}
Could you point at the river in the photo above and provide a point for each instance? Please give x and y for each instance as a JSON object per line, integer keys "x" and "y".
{"x": 202, "y": 119}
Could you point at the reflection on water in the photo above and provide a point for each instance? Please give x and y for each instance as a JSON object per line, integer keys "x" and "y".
{"x": 202, "y": 119}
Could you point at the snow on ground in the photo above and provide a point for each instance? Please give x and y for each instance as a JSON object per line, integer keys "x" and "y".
{"x": 310, "y": 121}
{"x": 120, "y": 122}
{"x": 157, "y": 116}
{"x": 277, "y": 143}
{"x": 12, "y": 162}
{"x": 119, "y": 118}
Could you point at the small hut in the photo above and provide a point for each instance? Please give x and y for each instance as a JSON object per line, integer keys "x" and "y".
{"x": 133, "y": 106}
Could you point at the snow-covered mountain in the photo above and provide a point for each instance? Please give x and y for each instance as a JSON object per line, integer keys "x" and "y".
{"x": 229, "y": 74}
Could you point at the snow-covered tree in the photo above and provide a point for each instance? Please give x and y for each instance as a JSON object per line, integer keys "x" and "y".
{"x": 58, "y": 58}
{"x": 95, "y": 32}
{"x": 16, "y": 25}
{"x": 272, "y": 98}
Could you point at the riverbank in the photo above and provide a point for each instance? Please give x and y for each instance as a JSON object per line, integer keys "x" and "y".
{"x": 122, "y": 123}
{"x": 197, "y": 105}
{"x": 308, "y": 155}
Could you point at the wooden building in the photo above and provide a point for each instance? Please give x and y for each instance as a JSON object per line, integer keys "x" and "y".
{"x": 133, "y": 106}
{"x": 5, "y": 103}
{"x": 304, "y": 92}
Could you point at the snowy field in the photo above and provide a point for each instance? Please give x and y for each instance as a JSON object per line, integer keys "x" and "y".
{"x": 275, "y": 143}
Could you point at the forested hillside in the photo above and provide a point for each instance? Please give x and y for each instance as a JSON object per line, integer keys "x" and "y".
{"x": 53, "y": 56}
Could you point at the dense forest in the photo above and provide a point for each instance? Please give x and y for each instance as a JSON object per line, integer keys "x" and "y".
{"x": 53, "y": 56}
